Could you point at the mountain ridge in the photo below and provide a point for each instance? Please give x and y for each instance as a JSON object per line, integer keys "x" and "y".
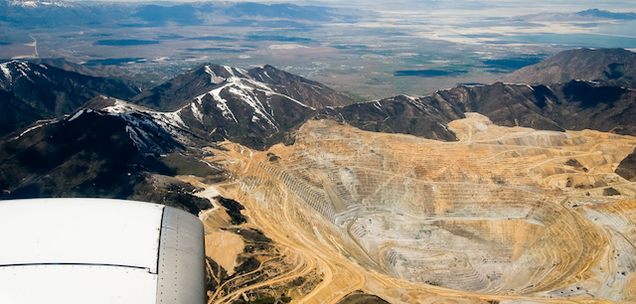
{"x": 44, "y": 13}
{"x": 164, "y": 129}
{"x": 614, "y": 67}
{"x": 30, "y": 92}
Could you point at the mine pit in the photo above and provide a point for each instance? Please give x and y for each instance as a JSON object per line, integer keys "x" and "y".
{"x": 496, "y": 216}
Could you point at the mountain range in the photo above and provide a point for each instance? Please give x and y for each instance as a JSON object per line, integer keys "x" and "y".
{"x": 98, "y": 136}
{"x": 610, "y": 67}
{"x": 31, "y": 92}
{"x": 44, "y": 13}
{"x": 586, "y": 15}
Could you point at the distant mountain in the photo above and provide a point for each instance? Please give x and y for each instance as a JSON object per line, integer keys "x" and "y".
{"x": 607, "y": 14}
{"x": 88, "y": 70}
{"x": 30, "y": 91}
{"x": 45, "y": 13}
{"x": 587, "y": 15}
{"x": 606, "y": 66}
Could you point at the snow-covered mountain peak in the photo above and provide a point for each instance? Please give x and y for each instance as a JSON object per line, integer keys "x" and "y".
{"x": 121, "y": 106}
{"x": 15, "y": 69}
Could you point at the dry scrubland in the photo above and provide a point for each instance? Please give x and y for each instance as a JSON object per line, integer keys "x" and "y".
{"x": 508, "y": 215}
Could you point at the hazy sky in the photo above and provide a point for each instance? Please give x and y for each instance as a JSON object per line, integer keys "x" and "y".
{"x": 549, "y": 5}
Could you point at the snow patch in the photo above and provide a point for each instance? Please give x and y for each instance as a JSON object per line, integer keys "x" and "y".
{"x": 259, "y": 84}
{"x": 79, "y": 113}
{"x": 242, "y": 71}
{"x": 229, "y": 69}
{"x": 165, "y": 118}
{"x": 120, "y": 107}
{"x": 169, "y": 122}
{"x": 169, "y": 118}
{"x": 22, "y": 68}
{"x": 195, "y": 111}
{"x": 134, "y": 136}
{"x": 221, "y": 103}
{"x": 377, "y": 105}
{"x": 25, "y": 3}
{"x": 270, "y": 93}
{"x": 28, "y": 130}
{"x": 444, "y": 126}
{"x": 213, "y": 77}
{"x": 258, "y": 107}
{"x": 5, "y": 70}
{"x": 35, "y": 4}
{"x": 515, "y": 84}
{"x": 418, "y": 103}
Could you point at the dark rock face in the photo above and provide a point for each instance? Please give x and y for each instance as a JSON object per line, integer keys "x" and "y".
{"x": 400, "y": 114}
{"x": 15, "y": 113}
{"x": 180, "y": 90}
{"x": 88, "y": 155}
{"x": 233, "y": 209}
{"x": 360, "y": 297}
{"x": 506, "y": 105}
{"x": 311, "y": 93}
{"x": 627, "y": 167}
{"x": 29, "y": 92}
{"x": 575, "y": 105}
{"x": 615, "y": 67}
{"x": 93, "y": 154}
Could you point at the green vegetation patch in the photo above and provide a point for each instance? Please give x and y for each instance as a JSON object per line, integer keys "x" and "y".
{"x": 359, "y": 297}
{"x": 188, "y": 165}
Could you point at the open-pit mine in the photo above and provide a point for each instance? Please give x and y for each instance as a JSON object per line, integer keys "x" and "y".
{"x": 503, "y": 215}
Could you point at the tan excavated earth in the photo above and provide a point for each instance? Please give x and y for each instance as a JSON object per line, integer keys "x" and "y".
{"x": 504, "y": 215}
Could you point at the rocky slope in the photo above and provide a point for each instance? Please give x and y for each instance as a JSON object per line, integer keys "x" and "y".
{"x": 257, "y": 108}
{"x": 180, "y": 90}
{"x": 97, "y": 154}
{"x": 30, "y": 91}
{"x": 616, "y": 67}
{"x": 575, "y": 105}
